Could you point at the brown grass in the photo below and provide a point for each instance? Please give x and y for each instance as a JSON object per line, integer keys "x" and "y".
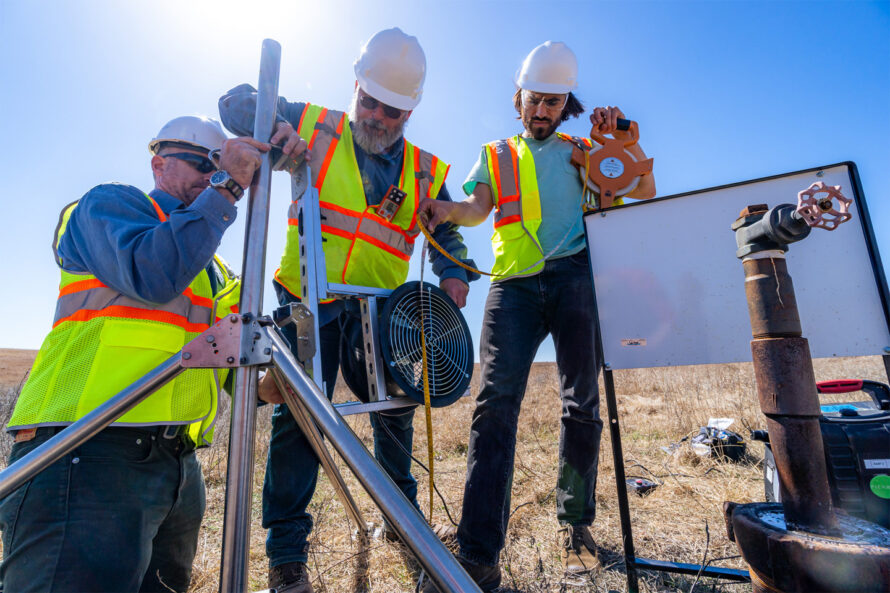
{"x": 680, "y": 521}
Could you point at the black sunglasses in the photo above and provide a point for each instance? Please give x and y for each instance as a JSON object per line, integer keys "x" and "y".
{"x": 200, "y": 163}
{"x": 369, "y": 102}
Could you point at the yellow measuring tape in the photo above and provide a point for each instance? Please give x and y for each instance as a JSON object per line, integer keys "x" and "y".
{"x": 427, "y": 406}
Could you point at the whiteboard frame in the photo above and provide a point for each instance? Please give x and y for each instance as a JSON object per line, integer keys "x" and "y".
{"x": 617, "y": 356}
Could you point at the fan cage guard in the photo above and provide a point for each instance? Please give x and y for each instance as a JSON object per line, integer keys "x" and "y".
{"x": 449, "y": 345}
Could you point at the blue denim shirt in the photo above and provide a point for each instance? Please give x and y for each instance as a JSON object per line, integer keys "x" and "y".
{"x": 114, "y": 235}
{"x": 378, "y": 172}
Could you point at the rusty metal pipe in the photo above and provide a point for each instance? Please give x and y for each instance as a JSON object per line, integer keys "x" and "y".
{"x": 786, "y": 388}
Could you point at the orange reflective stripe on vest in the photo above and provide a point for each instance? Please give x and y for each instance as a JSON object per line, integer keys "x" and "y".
{"x": 88, "y": 299}
{"x": 506, "y": 173}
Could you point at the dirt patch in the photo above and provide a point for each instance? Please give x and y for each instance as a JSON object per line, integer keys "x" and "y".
{"x": 14, "y": 364}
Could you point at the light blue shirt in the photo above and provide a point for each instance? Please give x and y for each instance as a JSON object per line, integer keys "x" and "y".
{"x": 559, "y": 186}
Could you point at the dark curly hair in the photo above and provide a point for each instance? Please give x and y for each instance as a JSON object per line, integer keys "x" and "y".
{"x": 573, "y": 107}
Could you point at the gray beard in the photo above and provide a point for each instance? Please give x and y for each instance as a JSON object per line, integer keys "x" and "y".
{"x": 365, "y": 135}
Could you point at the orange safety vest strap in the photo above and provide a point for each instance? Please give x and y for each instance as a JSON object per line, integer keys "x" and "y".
{"x": 93, "y": 296}
{"x": 125, "y": 312}
{"x": 339, "y": 219}
{"x": 325, "y": 137}
{"x": 506, "y": 173}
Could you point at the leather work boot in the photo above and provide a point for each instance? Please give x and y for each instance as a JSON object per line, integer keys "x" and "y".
{"x": 487, "y": 577}
{"x": 578, "y": 549}
{"x": 290, "y": 578}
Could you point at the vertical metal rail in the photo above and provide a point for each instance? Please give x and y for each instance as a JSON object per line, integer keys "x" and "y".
{"x": 627, "y": 537}
{"x": 239, "y": 480}
{"x": 312, "y": 268}
{"x": 439, "y": 564}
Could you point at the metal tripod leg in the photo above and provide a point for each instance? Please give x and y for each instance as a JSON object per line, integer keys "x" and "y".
{"x": 360, "y": 581}
{"x": 86, "y": 428}
{"x": 442, "y": 568}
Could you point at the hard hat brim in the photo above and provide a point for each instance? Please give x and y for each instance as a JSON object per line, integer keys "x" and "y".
{"x": 385, "y": 95}
{"x": 543, "y": 87}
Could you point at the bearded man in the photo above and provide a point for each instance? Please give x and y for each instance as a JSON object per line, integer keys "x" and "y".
{"x": 356, "y": 160}
{"x": 542, "y": 286}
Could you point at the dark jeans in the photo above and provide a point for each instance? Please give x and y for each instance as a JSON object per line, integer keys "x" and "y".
{"x": 121, "y": 513}
{"x": 292, "y": 466}
{"x": 519, "y": 313}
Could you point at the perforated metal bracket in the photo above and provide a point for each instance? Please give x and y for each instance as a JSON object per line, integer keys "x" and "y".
{"x": 373, "y": 359}
{"x": 304, "y": 325}
{"x": 217, "y": 347}
{"x": 256, "y": 346}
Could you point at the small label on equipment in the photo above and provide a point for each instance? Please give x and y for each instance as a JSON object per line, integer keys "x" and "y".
{"x": 634, "y": 342}
{"x": 877, "y": 463}
{"x": 880, "y": 485}
{"x": 611, "y": 167}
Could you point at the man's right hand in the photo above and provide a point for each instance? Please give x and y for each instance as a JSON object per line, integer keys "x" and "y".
{"x": 292, "y": 145}
{"x": 434, "y": 212}
{"x": 241, "y": 158}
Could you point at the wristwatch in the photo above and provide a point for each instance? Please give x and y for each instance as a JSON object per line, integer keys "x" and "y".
{"x": 222, "y": 180}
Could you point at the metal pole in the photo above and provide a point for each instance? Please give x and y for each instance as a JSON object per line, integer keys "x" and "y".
{"x": 442, "y": 568}
{"x": 239, "y": 479}
{"x": 621, "y": 484}
{"x": 86, "y": 428}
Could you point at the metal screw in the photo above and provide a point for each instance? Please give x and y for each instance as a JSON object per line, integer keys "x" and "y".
{"x": 230, "y": 359}
{"x": 75, "y": 460}
{"x": 256, "y": 335}
{"x": 186, "y": 355}
{"x": 210, "y": 339}
{"x": 392, "y": 363}
{"x": 243, "y": 360}
{"x": 820, "y": 173}
{"x": 138, "y": 441}
{"x": 233, "y": 318}
{"x": 267, "y": 351}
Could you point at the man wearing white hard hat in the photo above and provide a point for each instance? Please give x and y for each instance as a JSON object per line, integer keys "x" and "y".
{"x": 139, "y": 279}
{"x": 357, "y": 160}
{"x": 542, "y": 288}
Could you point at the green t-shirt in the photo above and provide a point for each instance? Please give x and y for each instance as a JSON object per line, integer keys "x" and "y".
{"x": 560, "y": 189}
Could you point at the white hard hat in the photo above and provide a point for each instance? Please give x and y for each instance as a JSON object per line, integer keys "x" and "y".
{"x": 392, "y": 68}
{"x": 201, "y": 132}
{"x": 549, "y": 68}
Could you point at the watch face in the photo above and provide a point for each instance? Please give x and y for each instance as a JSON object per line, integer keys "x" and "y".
{"x": 219, "y": 178}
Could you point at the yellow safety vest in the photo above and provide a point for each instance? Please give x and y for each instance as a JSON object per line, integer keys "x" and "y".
{"x": 360, "y": 247}
{"x": 103, "y": 340}
{"x": 517, "y": 201}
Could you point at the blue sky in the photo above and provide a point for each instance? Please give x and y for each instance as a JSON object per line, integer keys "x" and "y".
{"x": 724, "y": 92}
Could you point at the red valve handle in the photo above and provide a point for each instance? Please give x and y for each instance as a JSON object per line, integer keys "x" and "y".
{"x": 821, "y": 212}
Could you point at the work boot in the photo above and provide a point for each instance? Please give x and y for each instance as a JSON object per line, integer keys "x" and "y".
{"x": 578, "y": 550}
{"x": 290, "y": 578}
{"x": 487, "y": 577}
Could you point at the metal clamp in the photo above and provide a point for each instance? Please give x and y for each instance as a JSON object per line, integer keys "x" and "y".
{"x": 304, "y": 325}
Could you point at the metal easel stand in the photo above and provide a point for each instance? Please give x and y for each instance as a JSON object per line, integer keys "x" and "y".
{"x": 246, "y": 342}
{"x": 632, "y": 563}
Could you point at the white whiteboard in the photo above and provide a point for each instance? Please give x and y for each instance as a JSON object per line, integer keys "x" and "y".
{"x": 670, "y": 290}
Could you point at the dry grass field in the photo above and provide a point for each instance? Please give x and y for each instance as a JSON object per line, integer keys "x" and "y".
{"x": 680, "y": 521}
